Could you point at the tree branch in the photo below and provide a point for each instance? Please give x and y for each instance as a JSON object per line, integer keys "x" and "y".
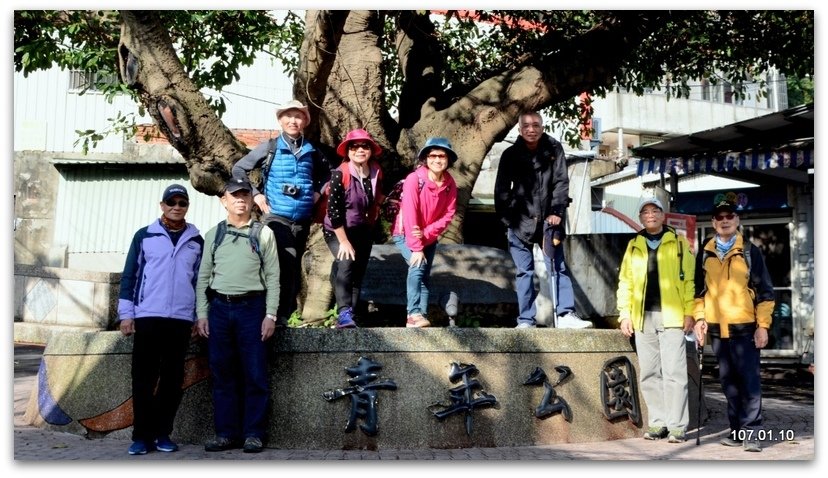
{"x": 174, "y": 102}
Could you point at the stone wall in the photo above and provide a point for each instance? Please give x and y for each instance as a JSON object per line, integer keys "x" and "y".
{"x": 84, "y": 387}
{"x": 35, "y": 196}
{"x": 48, "y": 299}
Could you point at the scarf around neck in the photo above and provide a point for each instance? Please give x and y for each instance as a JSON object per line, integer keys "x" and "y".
{"x": 723, "y": 247}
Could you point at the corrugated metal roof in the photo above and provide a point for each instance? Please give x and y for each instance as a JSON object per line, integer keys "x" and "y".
{"x": 99, "y": 210}
{"x": 764, "y": 132}
{"x": 117, "y": 160}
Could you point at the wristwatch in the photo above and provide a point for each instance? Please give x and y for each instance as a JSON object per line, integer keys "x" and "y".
{"x": 271, "y": 317}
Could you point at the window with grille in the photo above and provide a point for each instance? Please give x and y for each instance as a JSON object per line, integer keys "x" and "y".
{"x": 650, "y": 139}
{"x": 89, "y": 81}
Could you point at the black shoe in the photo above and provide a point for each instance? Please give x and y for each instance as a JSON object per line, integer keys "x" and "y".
{"x": 220, "y": 444}
{"x": 253, "y": 445}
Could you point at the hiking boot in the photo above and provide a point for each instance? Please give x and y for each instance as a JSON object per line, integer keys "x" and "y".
{"x": 676, "y": 436}
{"x": 572, "y": 321}
{"x": 753, "y": 445}
{"x": 140, "y": 447}
{"x": 729, "y": 441}
{"x": 525, "y": 325}
{"x": 253, "y": 445}
{"x": 655, "y": 433}
{"x": 220, "y": 444}
{"x": 346, "y": 319}
{"x": 417, "y": 320}
{"x": 165, "y": 444}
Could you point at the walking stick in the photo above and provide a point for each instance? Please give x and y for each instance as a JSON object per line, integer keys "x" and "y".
{"x": 700, "y": 351}
{"x": 549, "y": 245}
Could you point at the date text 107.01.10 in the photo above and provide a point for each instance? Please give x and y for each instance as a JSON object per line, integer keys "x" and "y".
{"x": 762, "y": 435}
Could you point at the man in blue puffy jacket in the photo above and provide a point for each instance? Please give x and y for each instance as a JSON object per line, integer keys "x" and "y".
{"x": 293, "y": 175}
{"x": 156, "y": 306}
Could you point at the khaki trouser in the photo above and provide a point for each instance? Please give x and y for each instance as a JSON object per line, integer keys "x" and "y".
{"x": 662, "y": 358}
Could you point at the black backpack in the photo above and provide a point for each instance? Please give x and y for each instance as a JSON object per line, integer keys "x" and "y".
{"x": 253, "y": 237}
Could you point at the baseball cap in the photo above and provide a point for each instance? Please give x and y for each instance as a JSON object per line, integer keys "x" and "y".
{"x": 237, "y": 184}
{"x": 650, "y": 200}
{"x": 725, "y": 206}
{"x": 175, "y": 190}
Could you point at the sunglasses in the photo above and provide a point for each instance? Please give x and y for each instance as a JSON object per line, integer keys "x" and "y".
{"x": 179, "y": 203}
{"x": 722, "y": 217}
{"x": 359, "y": 145}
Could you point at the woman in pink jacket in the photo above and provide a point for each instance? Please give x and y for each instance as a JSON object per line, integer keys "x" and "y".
{"x": 429, "y": 198}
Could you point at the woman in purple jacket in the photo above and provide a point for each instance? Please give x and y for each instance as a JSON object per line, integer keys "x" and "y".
{"x": 353, "y": 208}
{"x": 156, "y": 305}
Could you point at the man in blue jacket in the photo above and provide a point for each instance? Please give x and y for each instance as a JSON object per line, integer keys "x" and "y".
{"x": 156, "y": 306}
{"x": 293, "y": 175}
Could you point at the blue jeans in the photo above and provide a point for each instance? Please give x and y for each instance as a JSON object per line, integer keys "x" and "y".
{"x": 418, "y": 278}
{"x": 238, "y": 363}
{"x": 525, "y": 279}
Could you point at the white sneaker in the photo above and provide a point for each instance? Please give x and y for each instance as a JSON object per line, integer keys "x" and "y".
{"x": 572, "y": 321}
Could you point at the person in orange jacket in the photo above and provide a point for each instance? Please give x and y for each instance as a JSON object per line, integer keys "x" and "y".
{"x": 734, "y": 304}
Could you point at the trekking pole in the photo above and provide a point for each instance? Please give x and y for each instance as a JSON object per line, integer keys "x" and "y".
{"x": 700, "y": 351}
{"x": 549, "y": 244}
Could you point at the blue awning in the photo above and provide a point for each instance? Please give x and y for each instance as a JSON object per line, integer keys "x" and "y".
{"x": 789, "y": 158}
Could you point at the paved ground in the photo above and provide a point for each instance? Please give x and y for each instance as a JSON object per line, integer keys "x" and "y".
{"x": 788, "y": 405}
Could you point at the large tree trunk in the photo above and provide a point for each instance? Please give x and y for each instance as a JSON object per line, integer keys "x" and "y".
{"x": 340, "y": 76}
{"x": 355, "y": 98}
{"x": 149, "y": 65}
{"x": 317, "y": 291}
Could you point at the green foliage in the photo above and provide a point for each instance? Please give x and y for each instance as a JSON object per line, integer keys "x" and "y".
{"x": 328, "y": 321}
{"x": 800, "y": 91}
{"x": 120, "y": 124}
{"x": 468, "y": 320}
{"x": 678, "y": 50}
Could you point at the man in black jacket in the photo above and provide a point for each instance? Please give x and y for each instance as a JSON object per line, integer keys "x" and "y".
{"x": 531, "y": 196}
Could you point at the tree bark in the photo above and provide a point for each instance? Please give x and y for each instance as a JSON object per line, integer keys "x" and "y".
{"x": 146, "y": 56}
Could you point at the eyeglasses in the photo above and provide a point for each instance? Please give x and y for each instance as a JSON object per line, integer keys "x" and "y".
{"x": 179, "y": 203}
{"x": 359, "y": 145}
{"x": 437, "y": 156}
{"x": 722, "y": 217}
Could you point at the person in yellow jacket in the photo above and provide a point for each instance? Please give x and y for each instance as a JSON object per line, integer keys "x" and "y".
{"x": 734, "y": 303}
{"x": 655, "y": 305}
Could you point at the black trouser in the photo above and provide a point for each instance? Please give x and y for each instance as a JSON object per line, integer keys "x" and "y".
{"x": 158, "y": 350}
{"x": 347, "y": 275}
{"x": 739, "y": 374}
{"x": 291, "y": 239}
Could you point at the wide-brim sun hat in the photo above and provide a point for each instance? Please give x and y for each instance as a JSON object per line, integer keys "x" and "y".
{"x": 293, "y": 105}
{"x": 438, "y": 142}
{"x": 358, "y": 135}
